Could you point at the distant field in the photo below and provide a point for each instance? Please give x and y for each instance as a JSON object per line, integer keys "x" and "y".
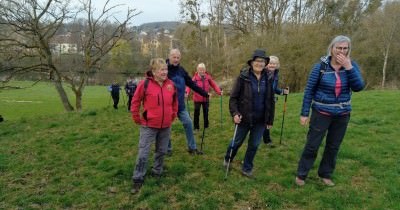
{"x": 42, "y": 99}
{"x": 50, "y": 159}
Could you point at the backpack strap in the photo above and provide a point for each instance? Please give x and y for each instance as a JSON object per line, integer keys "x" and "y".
{"x": 146, "y": 84}
{"x": 322, "y": 69}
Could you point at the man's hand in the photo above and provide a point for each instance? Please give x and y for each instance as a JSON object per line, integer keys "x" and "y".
{"x": 286, "y": 91}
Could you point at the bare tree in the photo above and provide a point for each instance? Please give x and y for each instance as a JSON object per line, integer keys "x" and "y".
{"x": 30, "y": 27}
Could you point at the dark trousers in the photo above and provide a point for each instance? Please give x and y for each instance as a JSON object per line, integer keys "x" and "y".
{"x": 256, "y": 131}
{"x": 115, "y": 98}
{"x": 319, "y": 125}
{"x": 197, "y": 106}
{"x": 129, "y": 102}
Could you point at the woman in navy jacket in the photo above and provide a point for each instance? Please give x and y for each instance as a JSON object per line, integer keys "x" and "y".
{"x": 328, "y": 93}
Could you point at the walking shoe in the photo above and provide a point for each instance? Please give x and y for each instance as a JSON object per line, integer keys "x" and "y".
{"x": 169, "y": 153}
{"x": 155, "y": 175}
{"x": 247, "y": 174}
{"x": 328, "y": 182}
{"x": 299, "y": 182}
{"x": 267, "y": 140}
{"x": 195, "y": 152}
{"x": 136, "y": 187}
{"x": 270, "y": 145}
{"x": 225, "y": 163}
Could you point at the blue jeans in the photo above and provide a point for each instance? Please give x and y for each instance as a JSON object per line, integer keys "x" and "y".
{"x": 188, "y": 126}
{"x": 256, "y": 132}
{"x": 319, "y": 125}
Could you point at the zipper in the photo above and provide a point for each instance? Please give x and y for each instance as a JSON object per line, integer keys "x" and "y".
{"x": 162, "y": 96}
{"x": 204, "y": 85}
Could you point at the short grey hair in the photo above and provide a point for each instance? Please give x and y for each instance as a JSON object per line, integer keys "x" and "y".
{"x": 201, "y": 65}
{"x": 339, "y": 39}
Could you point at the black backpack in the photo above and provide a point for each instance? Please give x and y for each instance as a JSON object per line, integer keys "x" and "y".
{"x": 131, "y": 88}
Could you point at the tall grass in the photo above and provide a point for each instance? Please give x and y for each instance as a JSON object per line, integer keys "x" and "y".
{"x": 55, "y": 160}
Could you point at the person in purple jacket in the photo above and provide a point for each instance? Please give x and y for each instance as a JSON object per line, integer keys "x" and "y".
{"x": 328, "y": 94}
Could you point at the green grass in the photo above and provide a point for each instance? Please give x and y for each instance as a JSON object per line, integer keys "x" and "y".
{"x": 50, "y": 159}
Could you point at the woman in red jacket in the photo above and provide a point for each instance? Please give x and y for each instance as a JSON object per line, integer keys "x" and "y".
{"x": 204, "y": 81}
{"x": 160, "y": 105}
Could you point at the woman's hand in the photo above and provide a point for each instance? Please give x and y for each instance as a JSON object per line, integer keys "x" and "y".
{"x": 303, "y": 120}
{"x": 237, "y": 119}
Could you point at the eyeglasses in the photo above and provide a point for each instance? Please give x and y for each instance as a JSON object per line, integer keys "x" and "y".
{"x": 342, "y": 48}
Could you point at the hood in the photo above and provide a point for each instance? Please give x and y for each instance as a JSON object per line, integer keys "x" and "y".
{"x": 149, "y": 75}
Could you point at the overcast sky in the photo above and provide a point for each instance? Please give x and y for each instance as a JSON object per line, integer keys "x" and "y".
{"x": 152, "y": 10}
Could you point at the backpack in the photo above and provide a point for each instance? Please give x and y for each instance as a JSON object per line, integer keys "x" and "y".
{"x": 130, "y": 88}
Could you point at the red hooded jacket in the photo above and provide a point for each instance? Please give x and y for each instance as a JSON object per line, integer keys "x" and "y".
{"x": 205, "y": 85}
{"x": 160, "y": 104}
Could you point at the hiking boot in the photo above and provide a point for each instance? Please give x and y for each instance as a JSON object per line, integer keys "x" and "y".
{"x": 155, "y": 175}
{"x": 247, "y": 174}
{"x": 270, "y": 145}
{"x": 267, "y": 140}
{"x": 136, "y": 187}
{"x": 299, "y": 182}
{"x": 195, "y": 152}
{"x": 169, "y": 153}
{"x": 328, "y": 182}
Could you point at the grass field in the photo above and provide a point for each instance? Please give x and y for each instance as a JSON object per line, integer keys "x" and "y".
{"x": 50, "y": 159}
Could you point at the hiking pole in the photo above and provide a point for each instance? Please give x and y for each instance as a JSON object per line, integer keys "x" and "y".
{"x": 230, "y": 153}
{"x": 220, "y": 106}
{"x": 283, "y": 117}
{"x": 205, "y": 117}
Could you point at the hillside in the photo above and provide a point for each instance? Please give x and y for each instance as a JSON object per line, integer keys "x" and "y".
{"x": 155, "y": 26}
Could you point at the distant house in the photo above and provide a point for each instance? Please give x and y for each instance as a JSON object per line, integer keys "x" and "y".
{"x": 154, "y": 42}
{"x": 64, "y": 44}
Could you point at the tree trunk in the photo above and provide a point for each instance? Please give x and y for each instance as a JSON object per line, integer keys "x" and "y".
{"x": 78, "y": 97}
{"x": 384, "y": 66}
{"x": 63, "y": 96}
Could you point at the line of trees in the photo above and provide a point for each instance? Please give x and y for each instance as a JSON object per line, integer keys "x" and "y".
{"x": 223, "y": 33}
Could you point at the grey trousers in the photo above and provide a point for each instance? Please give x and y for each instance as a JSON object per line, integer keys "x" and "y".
{"x": 147, "y": 136}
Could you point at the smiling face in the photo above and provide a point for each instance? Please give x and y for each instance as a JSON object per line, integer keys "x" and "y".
{"x": 160, "y": 74}
{"x": 273, "y": 63}
{"x": 201, "y": 70}
{"x": 174, "y": 57}
{"x": 258, "y": 65}
{"x": 159, "y": 69}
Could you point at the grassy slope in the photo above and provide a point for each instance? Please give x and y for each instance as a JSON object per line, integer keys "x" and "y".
{"x": 50, "y": 159}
